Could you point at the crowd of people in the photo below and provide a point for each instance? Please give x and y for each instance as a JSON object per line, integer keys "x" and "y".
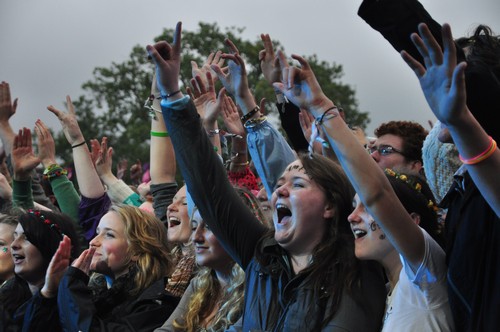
{"x": 316, "y": 229}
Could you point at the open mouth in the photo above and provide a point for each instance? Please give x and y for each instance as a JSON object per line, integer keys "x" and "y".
{"x": 358, "y": 233}
{"x": 173, "y": 221}
{"x": 283, "y": 212}
{"x": 17, "y": 258}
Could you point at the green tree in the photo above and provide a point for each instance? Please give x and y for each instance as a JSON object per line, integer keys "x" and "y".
{"x": 112, "y": 104}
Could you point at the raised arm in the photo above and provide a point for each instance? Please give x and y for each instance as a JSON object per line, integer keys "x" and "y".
{"x": 443, "y": 84}
{"x": 269, "y": 150}
{"x": 228, "y": 217}
{"x": 7, "y": 110}
{"x": 88, "y": 181}
{"x": 117, "y": 190}
{"x": 301, "y": 87}
{"x": 289, "y": 113}
{"x": 161, "y": 158}
{"x": 208, "y": 105}
{"x": 396, "y": 20}
{"x": 24, "y": 162}
{"x": 64, "y": 190}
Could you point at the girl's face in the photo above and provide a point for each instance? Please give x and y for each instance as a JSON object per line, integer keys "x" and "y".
{"x": 28, "y": 260}
{"x": 179, "y": 228}
{"x": 111, "y": 255}
{"x": 370, "y": 241}
{"x": 209, "y": 251}
{"x": 300, "y": 210}
{"x": 6, "y": 262}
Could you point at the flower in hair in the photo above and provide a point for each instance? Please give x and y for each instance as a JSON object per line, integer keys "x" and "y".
{"x": 46, "y": 221}
{"x": 431, "y": 205}
{"x": 413, "y": 183}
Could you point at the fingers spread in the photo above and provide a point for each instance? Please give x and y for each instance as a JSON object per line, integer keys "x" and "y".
{"x": 416, "y": 66}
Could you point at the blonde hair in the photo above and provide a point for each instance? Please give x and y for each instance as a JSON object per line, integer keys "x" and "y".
{"x": 148, "y": 245}
{"x": 208, "y": 294}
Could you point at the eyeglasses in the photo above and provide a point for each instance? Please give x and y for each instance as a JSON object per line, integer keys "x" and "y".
{"x": 384, "y": 150}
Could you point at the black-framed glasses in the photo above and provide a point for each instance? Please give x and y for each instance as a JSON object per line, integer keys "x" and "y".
{"x": 384, "y": 150}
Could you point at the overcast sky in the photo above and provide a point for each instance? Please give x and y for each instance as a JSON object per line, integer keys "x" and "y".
{"x": 48, "y": 48}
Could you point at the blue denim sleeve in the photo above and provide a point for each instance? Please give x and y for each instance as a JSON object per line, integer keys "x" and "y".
{"x": 270, "y": 153}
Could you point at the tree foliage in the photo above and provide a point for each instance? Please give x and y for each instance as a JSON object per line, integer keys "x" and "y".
{"x": 113, "y": 101}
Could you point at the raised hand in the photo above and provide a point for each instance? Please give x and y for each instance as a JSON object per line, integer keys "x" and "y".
{"x": 235, "y": 80}
{"x": 57, "y": 267}
{"x": 205, "y": 100}
{"x": 212, "y": 59}
{"x": 301, "y": 87}
{"x": 167, "y": 59}
{"x": 442, "y": 80}
{"x": 231, "y": 117}
{"x": 136, "y": 172}
{"x": 69, "y": 123}
{"x": 121, "y": 168}
{"x": 23, "y": 156}
{"x": 269, "y": 63}
{"x": 102, "y": 156}
{"x": 83, "y": 262}
{"x": 46, "y": 144}
{"x": 306, "y": 121}
{"x": 7, "y": 107}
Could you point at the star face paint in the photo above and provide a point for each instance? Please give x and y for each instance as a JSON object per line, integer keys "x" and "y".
{"x": 6, "y": 262}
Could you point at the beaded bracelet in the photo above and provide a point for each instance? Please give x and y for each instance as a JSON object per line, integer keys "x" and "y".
{"x": 53, "y": 171}
{"x": 482, "y": 156}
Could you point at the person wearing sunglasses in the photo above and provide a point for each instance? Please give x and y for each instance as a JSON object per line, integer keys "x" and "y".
{"x": 399, "y": 146}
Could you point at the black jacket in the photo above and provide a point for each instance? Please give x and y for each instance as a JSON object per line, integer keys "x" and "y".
{"x": 118, "y": 311}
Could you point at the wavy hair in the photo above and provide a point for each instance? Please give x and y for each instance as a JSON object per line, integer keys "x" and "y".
{"x": 148, "y": 244}
{"x": 208, "y": 294}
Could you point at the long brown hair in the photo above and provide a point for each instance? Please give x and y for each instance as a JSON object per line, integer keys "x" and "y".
{"x": 334, "y": 268}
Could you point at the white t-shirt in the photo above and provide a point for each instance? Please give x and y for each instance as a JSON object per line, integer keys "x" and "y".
{"x": 419, "y": 301}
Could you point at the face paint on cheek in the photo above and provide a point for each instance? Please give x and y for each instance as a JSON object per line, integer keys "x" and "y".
{"x": 4, "y": 249}
{"x": 374, "y": 226}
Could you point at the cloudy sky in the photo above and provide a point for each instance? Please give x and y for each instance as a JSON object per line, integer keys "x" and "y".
{"x": 48, "y": 48}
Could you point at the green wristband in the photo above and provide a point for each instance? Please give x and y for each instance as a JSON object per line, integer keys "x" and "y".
{"x": 159, "y": 133}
